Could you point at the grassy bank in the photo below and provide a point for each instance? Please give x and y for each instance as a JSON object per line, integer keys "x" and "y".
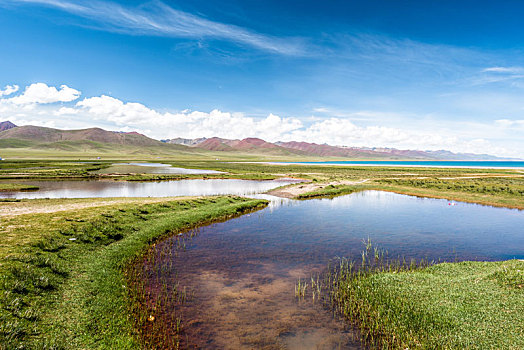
{"x": 511, "y": 198}
{"x": 331, "y": 191}
{"x": 5, "y": 187}
{"x": 467, "y": 305}
{"x": 61, "y": 280}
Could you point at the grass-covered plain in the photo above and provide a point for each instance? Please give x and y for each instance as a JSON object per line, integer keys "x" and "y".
{"x": 458, "y": 305}
{"x": 62, "y": 282}
{"x": 49, "y": 169}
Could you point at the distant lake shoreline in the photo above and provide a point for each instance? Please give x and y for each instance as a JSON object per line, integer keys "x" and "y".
{"x": 481, "y": 164}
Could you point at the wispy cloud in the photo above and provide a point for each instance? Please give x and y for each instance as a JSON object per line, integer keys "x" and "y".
{"x": 498, "y": 74}
{"x": 505, "y": 70}
{"x": 158, "y": 19}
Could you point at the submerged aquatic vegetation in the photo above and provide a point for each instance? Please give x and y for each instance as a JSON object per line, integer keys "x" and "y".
{"x": 154, "y": 294}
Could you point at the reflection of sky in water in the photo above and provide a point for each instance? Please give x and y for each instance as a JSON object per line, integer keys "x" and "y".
{"x": 154, "y": 168}
{"x": 90, "y": 189}
{"x": 243, "y": 271}
{"x": 406, "y": 225}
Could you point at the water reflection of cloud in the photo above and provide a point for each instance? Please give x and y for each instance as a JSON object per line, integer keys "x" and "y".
{"x": 197, "y": 187}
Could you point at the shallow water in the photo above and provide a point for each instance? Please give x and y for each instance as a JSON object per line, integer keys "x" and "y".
{"x": 106, "y": 188}
{"x": 241, "y": 273}
{"x": 152, "y": 168}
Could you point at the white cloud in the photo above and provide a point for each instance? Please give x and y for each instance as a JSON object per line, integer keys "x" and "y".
{"x": 8, "y": 90}
{"x": 507, "y": 123}
{"x": 114, "y": 110}
{"x": 498, "y": 137}
{"x": 321, "y": 110}
{"x": 157, "y": 19}
{"x": 512, "y": 75}
{"x": 186, "y": 123}
{"x": 66, "y": 111}
{"x": 40, "y": 93}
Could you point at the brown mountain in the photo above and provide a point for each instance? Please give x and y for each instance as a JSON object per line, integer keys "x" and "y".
{"x": 294, "y": 148}
{"x": 251, "y": 143}
{"x": 6, "y": 125}
{"x": 247, "y": 145}
{"x": 329, "y": 151}
{"x": 214, "y": 144}
{"x": 42, "y": 134}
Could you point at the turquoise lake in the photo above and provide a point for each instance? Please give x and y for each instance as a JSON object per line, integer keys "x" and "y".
{"x": 423, "y": 163}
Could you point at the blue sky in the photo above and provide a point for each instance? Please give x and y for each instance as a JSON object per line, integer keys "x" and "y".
{"x": 403, "y": 74}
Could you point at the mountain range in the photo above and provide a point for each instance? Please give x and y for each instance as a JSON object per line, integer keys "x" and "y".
{"x": 100, "y": 140}
{"x": 322, "y": 150}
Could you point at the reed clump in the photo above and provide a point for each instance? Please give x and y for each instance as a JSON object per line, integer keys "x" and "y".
{"x": 352, "y": 293}
{"x": 420, "y": 304}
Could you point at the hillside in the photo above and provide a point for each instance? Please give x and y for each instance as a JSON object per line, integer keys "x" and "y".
{"x": 42, "y": 134}
{"x": 247, "y": 145}
{"x": 36, "y": 141}
{"x": 6, "y": 125}
{"x": 330, "y": 151}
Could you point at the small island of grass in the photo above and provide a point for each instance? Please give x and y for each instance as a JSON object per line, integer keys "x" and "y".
{"x": 8, "y": 187}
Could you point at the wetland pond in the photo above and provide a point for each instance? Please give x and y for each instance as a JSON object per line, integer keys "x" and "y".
{"x": 240, "y": 275}
{"x": 151, "y": 168}
{"x": 108, "y": 188}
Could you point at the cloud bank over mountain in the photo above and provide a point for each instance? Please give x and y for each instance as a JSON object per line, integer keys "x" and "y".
{"x": 64, "y": 107}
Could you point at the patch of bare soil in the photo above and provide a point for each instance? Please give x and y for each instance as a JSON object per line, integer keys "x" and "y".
{"x": 38, "y": 207}
{"x": 294, "y": 191}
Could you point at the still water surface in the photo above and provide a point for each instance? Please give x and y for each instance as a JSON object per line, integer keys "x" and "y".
{"x": 151, "y": 168}
{"x": 94, "y": 189}
{"x": 242, "y": 272}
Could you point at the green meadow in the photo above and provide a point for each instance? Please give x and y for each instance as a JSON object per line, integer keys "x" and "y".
{"x": 63, "y": 272}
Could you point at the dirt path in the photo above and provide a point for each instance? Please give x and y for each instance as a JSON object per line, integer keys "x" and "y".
{"x": 52, "y": 206}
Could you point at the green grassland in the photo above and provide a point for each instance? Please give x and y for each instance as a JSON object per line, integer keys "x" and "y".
{"x": 58, "y": 293}
{"x": 466, "y": 305}
{"x": 61, "y": 274}
{"x": 11, "y": 148}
